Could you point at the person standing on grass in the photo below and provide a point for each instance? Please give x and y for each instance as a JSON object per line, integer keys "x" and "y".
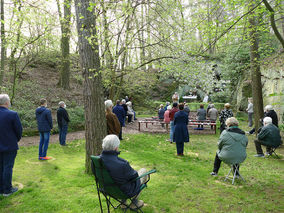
{"x": 120, "y": 114}
{"x": 10, "y": 135}
{"x": 172, "y": 116}
{"x": 113, "y": 125}
{"x": 167, "y": 117}
{"x": 250, "y": 112}
{"x": 62, "y": 120}
{"x": 44, "y": 125}
{"x": 180, "y": 132}
{"x": 224, "y": 115}
{"x": 201, "y": 115}
{"x": 212, "y": 114}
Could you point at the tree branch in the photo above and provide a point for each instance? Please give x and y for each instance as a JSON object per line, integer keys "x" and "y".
{"x": 272, "y": 21}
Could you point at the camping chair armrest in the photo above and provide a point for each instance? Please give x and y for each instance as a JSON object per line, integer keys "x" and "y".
{"x": 147, "y": 173}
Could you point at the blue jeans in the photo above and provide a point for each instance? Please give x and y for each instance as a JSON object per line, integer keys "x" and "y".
{"x": 62, "y": 134}
{"x": 43, "y": 143}
{"x": 7, "y": 160}
{"x": 172, "y": 131}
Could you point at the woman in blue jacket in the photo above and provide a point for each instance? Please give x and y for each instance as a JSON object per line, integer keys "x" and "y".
{"x": 181, "y": 132}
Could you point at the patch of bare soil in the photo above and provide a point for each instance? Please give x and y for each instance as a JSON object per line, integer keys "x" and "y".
{"x": 131, "y": 128}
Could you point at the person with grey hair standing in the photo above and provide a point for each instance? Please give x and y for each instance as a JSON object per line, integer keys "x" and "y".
{"x": 250, "y": 112}
{"x": 113, "y": 125}
{"x": 269, "y": 136}
{"x": 231, "y": 146}
{"x": 10, "y": 135}
{"x": 269, "y": 112}
{"x": 44, "y": 125}
{"x": 116, "y": 165}
{"x": 62, "y": 120}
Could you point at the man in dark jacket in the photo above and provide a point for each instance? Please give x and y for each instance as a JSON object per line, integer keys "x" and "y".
{"x": 115, "y": 166}
{"x": 62, "y": 120}
{"x": 10, "y": 135}
{"x": 268, "y": 136}
{"x": 269, "y": 112}
{"x": 120, "y": 114}
{"x": 44, "y": 125}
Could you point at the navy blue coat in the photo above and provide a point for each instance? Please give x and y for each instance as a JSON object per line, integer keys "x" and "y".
{"x": 10, "y": 130}
{"x": 120, "y": 114}
{"x": 121, "y": 172}
{"x": 181, "y": 121}
{"x": 161, "y": 113}
{"x": 44, "y": 119}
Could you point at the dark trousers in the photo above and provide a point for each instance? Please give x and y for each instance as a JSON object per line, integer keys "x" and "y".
{"x": 129, "y": 118}
{"x": 259, "y": 149}
{"x": 217, "y": 164}
{"x": 62, "y": 134}
{"x": 222, "y": 127}
{"x": 7, "y": 160}
{"x": 180, "y": 147}
{"x": 120, "y": 133}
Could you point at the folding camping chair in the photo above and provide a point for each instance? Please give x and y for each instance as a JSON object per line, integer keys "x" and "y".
{"x": 235, "y": 173}
{"x": 109, "y": 189}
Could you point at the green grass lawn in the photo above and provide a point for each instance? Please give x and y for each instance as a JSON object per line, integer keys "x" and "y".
{"x": 181, "y": 184}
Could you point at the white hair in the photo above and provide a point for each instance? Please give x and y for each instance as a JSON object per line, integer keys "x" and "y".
{"x": 267, "y": 120}
{"x": 108, "y": 104}
{"x": 129, "y": 103}
{"x": 123, "y": 101}
{"x": 268, "y": 108}
{"x": 4, "y": 98}
{"x": 110, "y": 143}
{"x": 61, "y": 103}
{"x": 232, "y": 121}
{"x": 212, "y": 105}
{"x": 169, "y": 107}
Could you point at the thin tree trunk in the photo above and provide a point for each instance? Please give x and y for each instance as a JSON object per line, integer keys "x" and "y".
{"x": 95, "y": 121}
{"x": 255, "y": 71}
{"x": 65, "y": 43}
{"x": 3, "y": 47}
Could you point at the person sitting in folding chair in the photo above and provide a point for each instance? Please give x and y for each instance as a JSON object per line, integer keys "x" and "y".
{"x": 231, "y": 146}
{"x": 120, "y": 170}
{"x": 269, "y": 136}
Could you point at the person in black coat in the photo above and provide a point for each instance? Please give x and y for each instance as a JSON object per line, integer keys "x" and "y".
{"x": 62, "y": 120}
{"x": 10, "y": 135}
{"x": 180, "y": 132}
{"x": 115, "y": 165}
{"x": 269, "y": 112}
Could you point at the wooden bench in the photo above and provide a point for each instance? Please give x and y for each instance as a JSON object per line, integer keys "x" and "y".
{"x": 193, "y": 123}
{"x": 196, "y": 123}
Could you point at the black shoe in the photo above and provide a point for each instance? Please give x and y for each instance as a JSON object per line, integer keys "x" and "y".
{"x": 12, "y": 190}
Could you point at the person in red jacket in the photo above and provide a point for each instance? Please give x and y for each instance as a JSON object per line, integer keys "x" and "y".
{"x": 172, "y": 114}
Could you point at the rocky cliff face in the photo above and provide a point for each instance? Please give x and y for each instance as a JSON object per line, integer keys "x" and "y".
{"x": 273, "y": 84}
{"x": 272, "y": 71}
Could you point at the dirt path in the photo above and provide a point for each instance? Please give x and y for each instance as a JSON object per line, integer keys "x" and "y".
{"x": 131, "y": 128}
{"x": 34, "y": 140}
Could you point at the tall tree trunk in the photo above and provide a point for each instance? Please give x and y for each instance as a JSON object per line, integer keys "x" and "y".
{"x": 3, "y": 47}
{"x": 65, "y": 43}
{"x": 255, "y": 70}
{"x": 95, "y": 121}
